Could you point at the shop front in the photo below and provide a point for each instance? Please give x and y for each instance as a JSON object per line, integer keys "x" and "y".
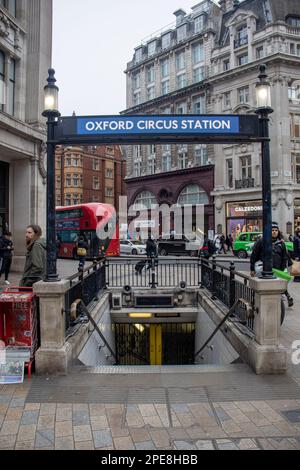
{"x": 244, "y": 216}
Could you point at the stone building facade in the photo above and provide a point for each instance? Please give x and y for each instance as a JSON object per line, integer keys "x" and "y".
{"x": 90, "y": 174}
{"x": 25, "y": 56}
{"x": 207, "y": 63}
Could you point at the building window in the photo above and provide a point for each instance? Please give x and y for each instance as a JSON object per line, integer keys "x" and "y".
{"x": 136, "y": 81}
{"x": 182, "y": 157}
{"x": 181, "y": 33}
{"x": 229, "y": 173}
{"x": 246, "y": 167}
{"x": 151, "y": 165}
{"x": 242, "y": 36}
{"x": 227, "y": 100}
{"x": 294, "y": 21}
{"x": 201, "y": 156}
{"x": 109, "y": 192}
{"x": 226, "y": 65}
{"x": 198, "y": 74}
{"x": 260, "y": 53}
{"x": 193, "y": 195}
{"x": 11, "y": 87}
{"x": 165, "y": 87}
{"x": 137, "y": 168}
{"x": 166, "y": 41}
{"x": 294, "y": 93}
{"x": 181, "y": 108}
{"x": 75, "y": 180}
{"x": 164, "y": 68}
{"x": 68, "y": 200}
{"x": 145, "y": 200}
{"x": 166, "y": 162}
{"x": 138, "y": 55}
{"x": 243, "y": 59}
{"x": 96, "y": 184}
{"x": 180, "y": 60}
{"x": 181, "y": 81}
{"x": 243, "y": 95}
{"x": 76, "y": 198}
{"x": 68, "y": 180}
{"x": 76, "y": 161}
{"x": 136, "y": 98}
{"x": 199, "y": 23}
{"x": 198, "y": 105}
{"x": 109, "y": 173}
{"x": 295, "y": 126}
{"x": 197, "y": 53}
{"x": 151, "y": 48}
{"x": 292, "y": 48}
{"x": 96, "y": 164}
{"x": 150, "y": 74}
{"x": 151, "y": 92}
{"x": 10, "y": 5}
{"x": 136, "y": 151}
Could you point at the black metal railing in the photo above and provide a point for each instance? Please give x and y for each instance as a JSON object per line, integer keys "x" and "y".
{"x": 228, "y": 286}
{"x": 86, "y": 286}
{"x": 139, "y": 272}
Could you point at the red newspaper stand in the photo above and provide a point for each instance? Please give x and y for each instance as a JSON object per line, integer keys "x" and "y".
{"x": 18, "y": 320}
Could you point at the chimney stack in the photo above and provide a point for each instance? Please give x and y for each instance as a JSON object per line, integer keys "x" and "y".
{"x": 180, "y": 15}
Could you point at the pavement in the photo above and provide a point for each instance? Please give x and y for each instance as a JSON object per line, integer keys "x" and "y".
{"x": 183, "y": 408}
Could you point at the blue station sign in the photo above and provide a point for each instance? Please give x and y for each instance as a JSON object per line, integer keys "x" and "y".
{"x": 158, "y": 125}
{"x": 144, "y": 129}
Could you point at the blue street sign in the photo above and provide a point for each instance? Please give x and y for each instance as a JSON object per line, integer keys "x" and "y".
{"x": 149, "y": 125}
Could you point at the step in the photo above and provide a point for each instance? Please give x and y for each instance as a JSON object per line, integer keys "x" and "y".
{"x": 180, "y": 369}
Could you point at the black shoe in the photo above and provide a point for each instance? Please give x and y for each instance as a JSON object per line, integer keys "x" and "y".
{"x": 290, "y": 301}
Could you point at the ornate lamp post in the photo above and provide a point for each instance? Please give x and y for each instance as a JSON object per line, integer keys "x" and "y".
{"x": 51, "y": 113}
{"x": 263, "y": 97}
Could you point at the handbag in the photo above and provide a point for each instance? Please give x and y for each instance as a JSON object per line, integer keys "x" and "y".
{"x": 81, "y": 252}
{"x": 295, "y": 268}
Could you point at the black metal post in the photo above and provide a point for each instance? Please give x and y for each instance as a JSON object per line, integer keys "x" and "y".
{"x": 267, "y": 272}
{"x": 51, "y": 272}
{"x": 263, "y": 112}
{"x": 51, "y": 92}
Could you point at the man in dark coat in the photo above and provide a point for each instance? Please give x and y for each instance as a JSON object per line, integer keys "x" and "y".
{"x": 35, "y": 264}
{"x": 6, "y": 254}
{"x": 297, "y": 250}
{"x": 281, "y": 257}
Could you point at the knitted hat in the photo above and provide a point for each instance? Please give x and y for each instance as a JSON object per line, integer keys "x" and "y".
{"x": 275, "y": 225}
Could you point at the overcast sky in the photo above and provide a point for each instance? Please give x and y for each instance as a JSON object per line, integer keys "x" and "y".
{"x": 92, "y": 42}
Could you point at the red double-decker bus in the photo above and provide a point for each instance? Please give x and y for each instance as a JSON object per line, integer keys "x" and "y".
{"x": 96, "y": 222}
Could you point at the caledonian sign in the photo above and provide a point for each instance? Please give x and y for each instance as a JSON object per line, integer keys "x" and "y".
{"x": 157, "y": 128}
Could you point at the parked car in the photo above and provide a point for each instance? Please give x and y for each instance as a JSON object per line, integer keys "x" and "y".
{"x": 131, "y": 247}
{"x": 243, "y": 245}
{"x": 179, "y": 246}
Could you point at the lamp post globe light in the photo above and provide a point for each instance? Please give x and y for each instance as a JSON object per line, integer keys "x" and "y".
{"x": 263, "y": 98}
{"x": 51, "y": 113}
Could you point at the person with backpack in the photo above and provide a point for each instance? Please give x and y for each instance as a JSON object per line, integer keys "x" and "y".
{"x": 81, "y": 247}
{"x": 281, "y": 259}
{"x": 6, "y": 254}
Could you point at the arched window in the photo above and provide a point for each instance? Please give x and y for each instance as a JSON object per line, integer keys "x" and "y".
{"x": 192, "y": 195}
{"x": 145, "y": 200}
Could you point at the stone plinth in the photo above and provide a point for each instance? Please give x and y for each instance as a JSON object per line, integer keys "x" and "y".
{"x": 53, "y": 356}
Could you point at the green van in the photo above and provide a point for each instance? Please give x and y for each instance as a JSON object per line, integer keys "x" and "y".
{"x": 243, "y": 245}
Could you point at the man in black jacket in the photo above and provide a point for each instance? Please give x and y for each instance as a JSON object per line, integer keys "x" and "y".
{"x": 6, "y": 254}
{"x": 281, "y": 257}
